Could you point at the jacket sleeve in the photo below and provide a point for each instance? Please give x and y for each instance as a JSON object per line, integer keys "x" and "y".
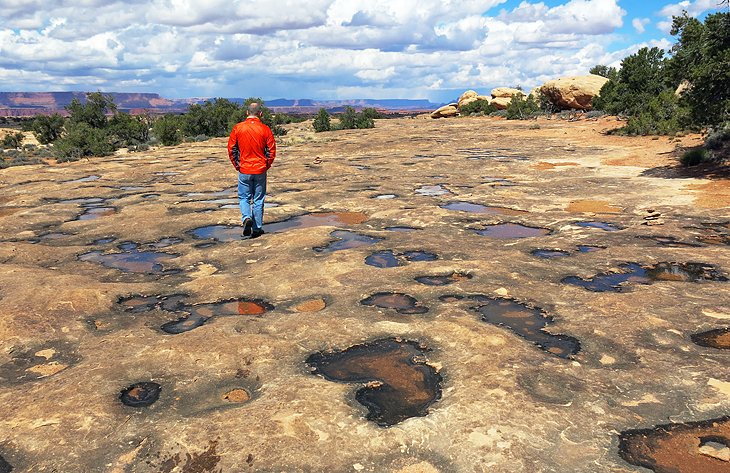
{"x": 271, "y": 147}
{"x": 234, "y": 153}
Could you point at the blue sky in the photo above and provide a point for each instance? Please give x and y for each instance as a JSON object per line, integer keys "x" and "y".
{"x": 320, "y": 49}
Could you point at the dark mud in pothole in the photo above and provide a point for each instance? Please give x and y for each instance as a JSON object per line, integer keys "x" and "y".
{"x": 388, "y": 259}
{"x": 399, "y": 384}
{"x": 482, "y": 209}
{"x": 529, "y": 323}
{"x": 505, "y": 231}
{"x": 433, "y": 191}
{"x": 141, "y": 394}
{"x": 5, "y": 467}
{"x": 34, "y": 363}
{"x": 692, "y": 447}
{"x": 444, "y": 280}
{"x": 199, "y": 314}
{"x": 234, "y": 232}
{"x": 605, "y": 226}
{"x": 139, "y": 303}
{"x": 132, "y": 260}
{"x": 549, "y": 254}
{"x": 633, "y": 273}
{"x": 402, "y": 229}
{"x": 717, "y": 338}
{"x": 347, "y": 240}
{"x": 401, "y": 303}
{"x": 669, "y": 241}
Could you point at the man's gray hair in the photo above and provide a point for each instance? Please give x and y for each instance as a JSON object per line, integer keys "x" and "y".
{"x": 254, "y": 109}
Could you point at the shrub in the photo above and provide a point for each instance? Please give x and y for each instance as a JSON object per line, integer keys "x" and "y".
{"x": 348, "y": 119}
{"x": 13, "y": 140}
{"x": 694, "y": 157}
{"x": 716, "y": 139}
{"x": 127, "y": 129}
{"x": 200, "y": 138}
{"x": 321, "y": 121}
{"x": 167, "y": 129}
{"x": 82, "y": 140}
{"x": 662, "y": 115}
{"x": 519, "y": 109}
{"x": 499, "y": 113}
{"x": 93, "y": 112}
{"x": 478, "y": 107}
{"x": 47, "y": 128}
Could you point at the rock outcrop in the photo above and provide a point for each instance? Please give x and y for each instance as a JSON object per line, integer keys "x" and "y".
{"x": 502, "y": 96}
{"x": 446, "y": 111}
{"x": 573, "y": 92}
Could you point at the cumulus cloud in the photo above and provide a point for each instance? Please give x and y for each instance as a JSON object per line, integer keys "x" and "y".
{"x": 639, "y": 24}
{"x": 693, "y": 8}
{"x": 319, "y": 48}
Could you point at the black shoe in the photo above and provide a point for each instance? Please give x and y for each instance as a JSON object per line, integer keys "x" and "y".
{"x": 257, "y": 233}
{"x": 247, "y": 227}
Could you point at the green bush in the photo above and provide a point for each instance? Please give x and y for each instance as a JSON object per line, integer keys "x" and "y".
{"x": 93, "y": 112}
{"x": 716, "y": 139}
{"x": 350, "y": 119}
{"x": 322, "y": 121}
{"x": 478, "y": 107}
{"x": 694, "y": 157}
{"x": 167, "y": 129}
{"x": 128, "y": 130}
{"x": 519, "y": 109}
{"x": 47, "y": 128}
{"x": 82, "y": 140}
{"x": 12, "y": 140}
{"x": 662, "y": 115}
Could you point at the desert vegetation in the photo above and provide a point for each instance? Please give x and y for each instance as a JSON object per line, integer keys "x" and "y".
{"x": 350, "y": 119}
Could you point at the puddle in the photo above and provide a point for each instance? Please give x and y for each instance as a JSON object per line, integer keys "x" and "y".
{"x": 481, "y": 209}
{"x": 388, "y": 259}
{"x": 385, "y": 196}
{"x": 529, "y": 323}
{"x": 347, "y": 240}
{"x": 165, "y": 242}
{"x": 669, "y": 241}
{"x": 512, "y": 230}
{"x": 104, "y": 241}
{"x": 132, "y": 260}
{"x": 401, "y": 303}
{"x": 49, "y": 237}
{"x": 549, "y": 254}
{"x": 5, "y": 467}
{"x": 717, "y": 338}
{"x": 234, "y": 232}
{"x": 91, "y": 178}
{"x": 398, "y": 382}
{"x": 92, "y": 213}
{"x": 605, "y": 226}
{"x": 150, "y": 196}
{"x": 433, "y": 191}
{"x": 589, "y": 248}
{"x": 443, "y": 280}
{"x": 402, "y": 229}
{"x": 692, "y": 447}
{"x": 141, "y": 394}
{"x": 633, "y": 273}
{"x": 199, "y": 314}
{"x": 139, "y": 303}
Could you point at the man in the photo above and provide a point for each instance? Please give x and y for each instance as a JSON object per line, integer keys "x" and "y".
{"x": 252, "y": 150}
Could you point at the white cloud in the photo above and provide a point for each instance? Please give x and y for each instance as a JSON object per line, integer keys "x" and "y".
{"x": 693, "y": 9}
{"x": 639, "y": 24}
{"x": 288, "y": 48}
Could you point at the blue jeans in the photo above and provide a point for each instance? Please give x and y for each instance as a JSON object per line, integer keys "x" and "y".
{"x": 252, "y": 190}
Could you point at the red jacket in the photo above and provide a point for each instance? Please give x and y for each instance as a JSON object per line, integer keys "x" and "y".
{"x": 251, "y": 147}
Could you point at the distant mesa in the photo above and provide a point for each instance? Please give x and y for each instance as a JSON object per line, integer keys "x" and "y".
{"x": 28, "y": 104}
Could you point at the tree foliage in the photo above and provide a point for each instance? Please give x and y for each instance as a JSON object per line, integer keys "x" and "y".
{"x": 519, "y": 109}
{"x": 322, "y": 121}
{"x": 478, "y": 107}
{"x": 168, "y": 129}
{"x": 47, "y": 128}
{"x": 604, "y": 71}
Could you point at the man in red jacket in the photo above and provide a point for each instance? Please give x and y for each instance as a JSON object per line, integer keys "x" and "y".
{"x": 252, "y": 150}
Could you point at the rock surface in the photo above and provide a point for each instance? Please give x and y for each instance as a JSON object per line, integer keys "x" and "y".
{"x": 446, "y": 111}
{"x": 576, "y": 93}
{"x": 236, "y": 394}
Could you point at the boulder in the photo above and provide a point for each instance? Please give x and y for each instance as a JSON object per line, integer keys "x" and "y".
{"x": 467, "y": 101}
{"x": 446, "y": 111}
{"x": 468, "y": 96}
{"x": 682, "y": 88}
{"x": 573, "y": 92}
{"x": 501, "y": 102}
{"x": 484, "y": 97}
{"x": 506, "y": 92}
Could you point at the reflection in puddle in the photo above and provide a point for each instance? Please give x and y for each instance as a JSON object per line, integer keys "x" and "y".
{"x": 692, "y": 447}
{"x": 512, "y": 230}
{"x": 401, "y": 303}
{"x": 402, "y": 229}
{"x": 399, "y": 383}
{"x": 670, "y": 241}
{"x": 140, "y": 394}
{"x": 90, "y": 178}
{"x": 234, "y": 232}
{"x": 633, "y": 273}
{"x": 132, "y": 260}
{"x": 433, "y": 191}
{"x": 443, "y": 280}
{"x": 104, "y": 241}
{"x": 347, "y": 240}
{"x": 605, "y": 226}
{"x": 482, "y": 209}
{"x": 388, "y": 259}
{"x": 529, "y": 323}
{"x": 717, "y": 338}
{"x": 92, "y": 213}
{"x": 589, "y": 248}
{"x": 385, "y": 196}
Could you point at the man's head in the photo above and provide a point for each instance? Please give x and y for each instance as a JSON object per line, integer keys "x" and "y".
{"x": 254, "y": 109}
